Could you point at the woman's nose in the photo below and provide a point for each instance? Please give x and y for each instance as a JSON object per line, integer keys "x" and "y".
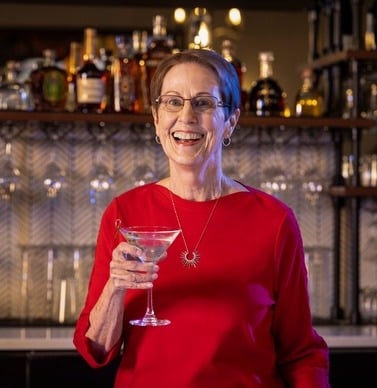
{"x": 187, "y": 113}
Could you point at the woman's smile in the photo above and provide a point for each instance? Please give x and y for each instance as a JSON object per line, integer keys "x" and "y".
{"x": 187, "y": 138}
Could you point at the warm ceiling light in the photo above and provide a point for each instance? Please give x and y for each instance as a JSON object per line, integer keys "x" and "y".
{"x": 179, "y": 15}
{"x": 204, "y": 35}
{"x": 234, "y": 17}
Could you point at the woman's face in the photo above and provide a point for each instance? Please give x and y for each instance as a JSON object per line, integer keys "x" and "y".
{"x": 189, "y": 138}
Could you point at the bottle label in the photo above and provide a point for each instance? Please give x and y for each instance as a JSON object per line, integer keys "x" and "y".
{"x": 127, "y": 92}
{"x": 54, "y": 86}
{"x": 90, "y": 90}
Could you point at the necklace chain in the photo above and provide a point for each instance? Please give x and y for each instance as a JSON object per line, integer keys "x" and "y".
{"x": 191, "y": 259}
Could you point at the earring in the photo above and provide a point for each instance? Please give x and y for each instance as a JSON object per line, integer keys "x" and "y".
{"x": 157, "y": 139}
{"x": 227, "y": 141}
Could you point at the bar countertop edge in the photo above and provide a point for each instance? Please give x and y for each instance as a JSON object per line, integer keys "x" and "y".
{"x": 60, "y": 338}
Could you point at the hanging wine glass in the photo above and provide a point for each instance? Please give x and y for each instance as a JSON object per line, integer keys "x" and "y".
{"x": 312, "y": 185}
{"x": 101, "y": 177}
{"x": 312, "y": 178}
{"x": 144, "y": 170}
{"x": 54, "y": 177}
{"x": 276, "y": 179}
{"x": 9, "y": 175}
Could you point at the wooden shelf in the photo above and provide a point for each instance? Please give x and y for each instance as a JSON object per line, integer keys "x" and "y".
{"x": 111, "y": 118}
{"x": 346, "y": 191}
{"x": 246, "y": 120}
{"x": 343, "y": 56}
{"x": 305, "y": 122}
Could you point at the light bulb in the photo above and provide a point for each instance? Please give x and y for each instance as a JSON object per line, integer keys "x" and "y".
{"x": 234, "y": 17}
{"x": 179, "y": 15}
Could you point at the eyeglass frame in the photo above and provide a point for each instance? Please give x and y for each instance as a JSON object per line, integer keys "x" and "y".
{"x": 218, "y": 103}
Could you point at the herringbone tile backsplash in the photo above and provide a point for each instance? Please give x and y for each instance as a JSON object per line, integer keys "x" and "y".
{"x": 48, "y": 236}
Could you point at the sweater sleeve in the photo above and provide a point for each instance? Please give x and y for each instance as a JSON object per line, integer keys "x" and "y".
{"x": 302, "y": 355}
{"x": 108, "y": 238}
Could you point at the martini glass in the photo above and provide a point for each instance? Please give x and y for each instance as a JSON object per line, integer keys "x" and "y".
{"x": 154, "y": 242}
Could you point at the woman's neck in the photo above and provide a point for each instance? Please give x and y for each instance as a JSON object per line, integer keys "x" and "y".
{"x": 194, "y": 188}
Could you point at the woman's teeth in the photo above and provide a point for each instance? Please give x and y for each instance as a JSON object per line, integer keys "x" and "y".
{"x": 190, "y": 136}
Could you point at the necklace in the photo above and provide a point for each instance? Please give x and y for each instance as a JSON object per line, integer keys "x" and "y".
{"x": 191, "y": 259}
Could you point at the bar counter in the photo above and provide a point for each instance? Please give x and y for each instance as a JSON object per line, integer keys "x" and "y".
{"x": 60, "y": 338}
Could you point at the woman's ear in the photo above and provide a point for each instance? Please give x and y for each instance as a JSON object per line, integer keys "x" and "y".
{"x": 233, "y": 120}
{"x": 155, "y": 115}
{"x": 234, "y": 117}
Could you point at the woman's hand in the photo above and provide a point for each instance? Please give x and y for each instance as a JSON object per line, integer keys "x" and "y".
{"x": 128, "y": 270}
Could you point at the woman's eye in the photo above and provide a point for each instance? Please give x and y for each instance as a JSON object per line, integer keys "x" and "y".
{"x": 175, "y": 102}
{"x": 202, "y": 103}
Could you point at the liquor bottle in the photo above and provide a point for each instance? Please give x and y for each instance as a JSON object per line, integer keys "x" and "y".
{"x": 308, "y": 99}
{"x": 346, "y": 23}
{"x": 337, "y": 25}
{"x": 91, "y": 81}
{"x": 357, "y": 7}
{"x": 159, "y": 47}
{"x": 348, "y": 99}
{"x": 266, "y": 97}
{"x": 370, "y": 27}
{"x": 228, "y": 52}
{"x": 142, "y": 104}
{"x": 14, "y": 95}
{"x": 200, "y": 29}
{"x": 106, "y": 58}
{"x": 126, "y": 74}
{"x": 313, "y": 31}
{"x": 48, "y": 84}
{"x": 326, "y": 23}
{"x": 74, "y": 64}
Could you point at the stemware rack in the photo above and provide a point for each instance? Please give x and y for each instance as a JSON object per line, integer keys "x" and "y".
{"x": 48, "y": 242}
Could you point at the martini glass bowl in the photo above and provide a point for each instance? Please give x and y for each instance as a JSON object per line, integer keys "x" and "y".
{"x": 154, "y": 242}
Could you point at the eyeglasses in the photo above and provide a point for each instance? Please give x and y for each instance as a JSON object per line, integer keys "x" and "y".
{"x": 199, "y": 104}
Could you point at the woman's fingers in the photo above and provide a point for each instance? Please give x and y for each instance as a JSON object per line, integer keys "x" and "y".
{"x": 128, "y": 270}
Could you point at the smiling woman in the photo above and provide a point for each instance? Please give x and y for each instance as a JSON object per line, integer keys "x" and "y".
{"x": 237, "y": 264}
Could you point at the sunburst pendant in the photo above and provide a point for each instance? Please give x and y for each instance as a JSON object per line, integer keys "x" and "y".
{"x": 190, "y": 260}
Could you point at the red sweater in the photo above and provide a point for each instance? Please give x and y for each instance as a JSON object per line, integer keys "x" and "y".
{"x": 240, "y": 319}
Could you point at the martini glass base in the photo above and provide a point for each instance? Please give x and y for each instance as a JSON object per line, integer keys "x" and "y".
{"x": 150, "y": 321}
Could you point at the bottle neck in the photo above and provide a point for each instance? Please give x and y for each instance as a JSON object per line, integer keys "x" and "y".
{"x": 265, "y": 69}
{"x": 11, "y": 72}
{"x": 159, "y": 27}
{"x": 227, "y": 51}
{"x": 136, "y": 42}
{"x": 89, "y": 49}
{"x": 143, "y": 42}
{"x": 307, "y": 83}
{"x": 10, "y": 76}
{"x": 48, "y": 58}
{"x": 369, "y": 37}
{"x": 74, "y": 57}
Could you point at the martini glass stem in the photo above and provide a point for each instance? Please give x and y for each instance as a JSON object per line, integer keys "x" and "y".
{"x": 149, "y": 314}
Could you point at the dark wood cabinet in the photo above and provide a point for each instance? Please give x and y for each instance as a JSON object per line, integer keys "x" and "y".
{"x": 349, "y": 368}
{"x": 58, "y": 369}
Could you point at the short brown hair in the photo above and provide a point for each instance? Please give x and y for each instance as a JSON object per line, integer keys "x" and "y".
{"x": 223, "y": 70}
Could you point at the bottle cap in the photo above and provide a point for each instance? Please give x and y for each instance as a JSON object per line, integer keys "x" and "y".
{"x": 266, "y": 56}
